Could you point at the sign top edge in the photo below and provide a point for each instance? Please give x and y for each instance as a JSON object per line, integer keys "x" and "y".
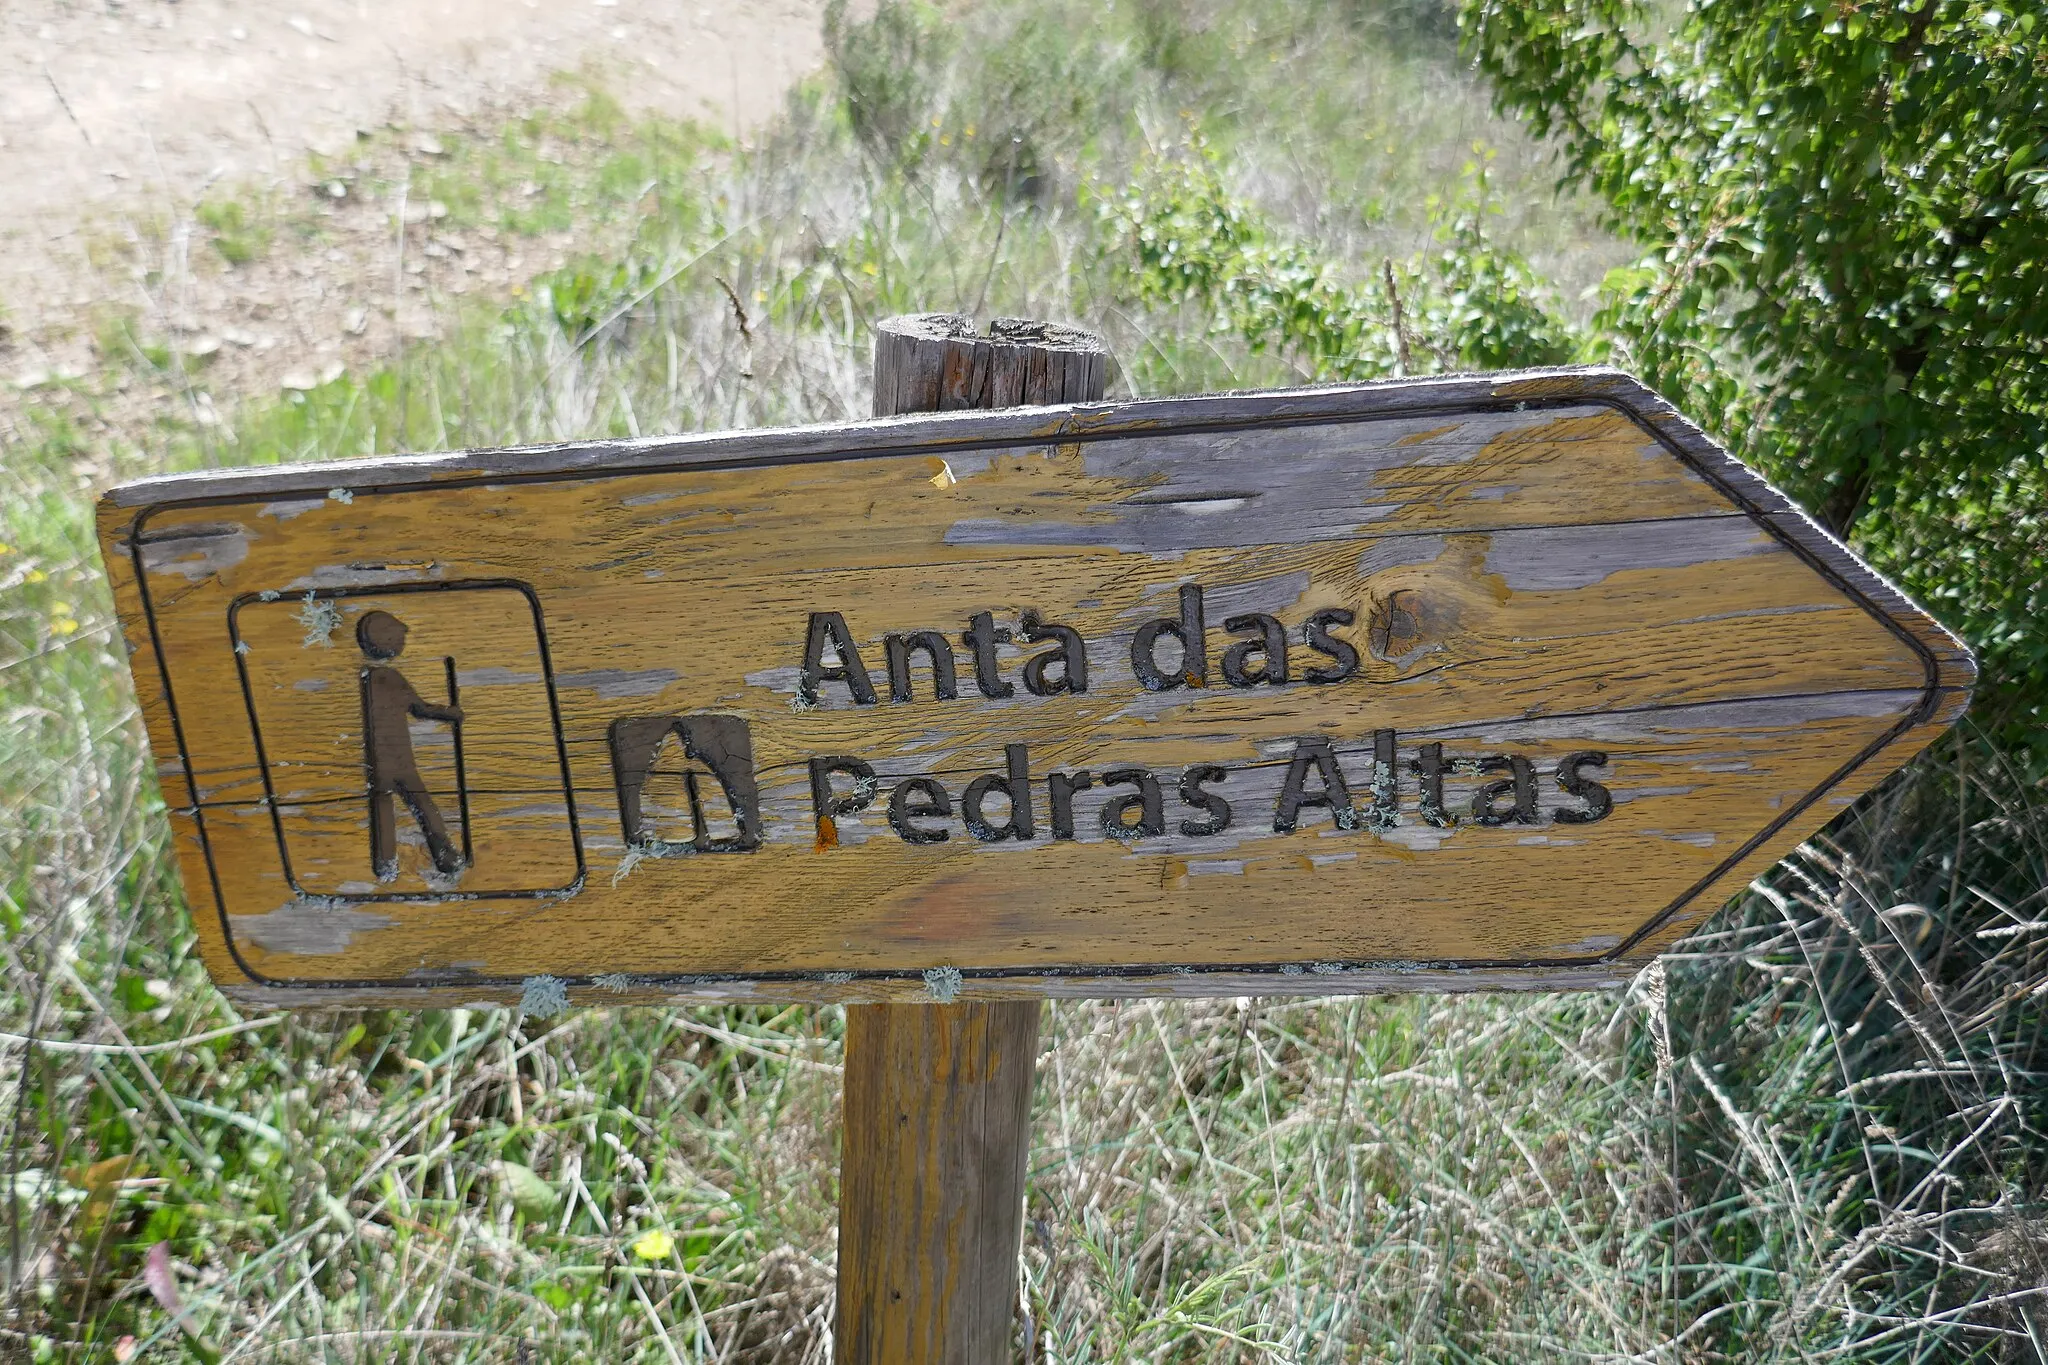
{"x": 1096, "y": 420}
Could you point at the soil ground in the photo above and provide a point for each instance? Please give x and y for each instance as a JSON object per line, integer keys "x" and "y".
{"x": 118, "y": 117}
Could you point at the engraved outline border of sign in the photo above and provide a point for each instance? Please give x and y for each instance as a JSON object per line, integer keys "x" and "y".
{"x": 547, "y": 670}
{"x": 1086, "y": 424}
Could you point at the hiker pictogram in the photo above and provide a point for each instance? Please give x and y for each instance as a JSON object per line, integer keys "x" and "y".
{"x": 390, "y": 704}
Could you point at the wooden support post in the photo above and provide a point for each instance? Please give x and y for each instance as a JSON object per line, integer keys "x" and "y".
{"x": 931, "y": 1180}
{"x": 937, "y": 1108}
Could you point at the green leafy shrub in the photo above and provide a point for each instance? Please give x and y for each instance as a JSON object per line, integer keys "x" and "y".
{"x": 1843, "y": 212}
{"x": 1489, "y": 306}
{"x": 1178, "y": 235}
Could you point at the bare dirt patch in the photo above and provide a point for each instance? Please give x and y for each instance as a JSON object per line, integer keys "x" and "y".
{"x": 231, "y": 184}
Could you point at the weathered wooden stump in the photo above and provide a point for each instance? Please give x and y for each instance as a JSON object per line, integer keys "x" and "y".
{"x": 936, "y": 362}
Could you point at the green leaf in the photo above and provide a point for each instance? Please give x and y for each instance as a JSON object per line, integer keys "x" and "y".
{"x": 531, "y": 1195}
{"x": 134, "y": 994}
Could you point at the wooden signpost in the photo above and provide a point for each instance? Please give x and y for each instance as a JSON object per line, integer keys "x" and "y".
{"x": 1483, "y": 682}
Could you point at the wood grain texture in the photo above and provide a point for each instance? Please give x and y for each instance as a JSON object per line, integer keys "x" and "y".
{"x": 1539, "y": 565}
{"x": 937, "y": 1122}
{"x": 937, "y": 1098}
{"x": 938, "y": 362}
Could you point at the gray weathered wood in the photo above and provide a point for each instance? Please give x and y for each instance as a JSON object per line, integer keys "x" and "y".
{"x": 937, "y": 362}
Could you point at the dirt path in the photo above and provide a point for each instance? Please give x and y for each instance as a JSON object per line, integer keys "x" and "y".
{"x": 118, "y": 113}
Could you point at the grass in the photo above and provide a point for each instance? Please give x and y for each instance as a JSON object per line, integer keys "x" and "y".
{"x": 239, "y": 233}
{"x": 554, "y": 170}
{"x": 1814, "y": 1131}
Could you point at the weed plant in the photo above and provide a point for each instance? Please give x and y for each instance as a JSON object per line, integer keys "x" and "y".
{"x": 1814, "y": 1131}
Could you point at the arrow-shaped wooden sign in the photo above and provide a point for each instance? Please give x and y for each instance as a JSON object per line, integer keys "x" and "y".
{"x": 1480, "y": 682}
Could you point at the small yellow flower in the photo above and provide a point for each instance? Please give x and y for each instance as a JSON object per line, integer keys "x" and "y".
{"x": 654, "y": 1246}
